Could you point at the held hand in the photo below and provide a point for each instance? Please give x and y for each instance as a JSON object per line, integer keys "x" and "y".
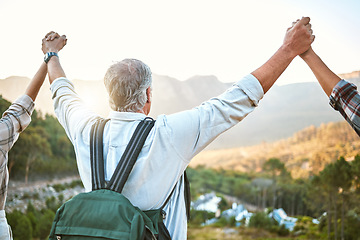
{"x": 308, "y": 53}
{"x": 53, "y": 42}
{"x": 299, "y": 37}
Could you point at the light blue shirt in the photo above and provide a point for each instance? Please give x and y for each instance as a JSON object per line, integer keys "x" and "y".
{"x": 172, "y": 143}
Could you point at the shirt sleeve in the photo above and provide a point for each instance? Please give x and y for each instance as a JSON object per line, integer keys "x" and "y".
{"x": 191, "y": 131}
{"x": 70, "y": 110}
{"x": 346, "y": 99}
{"x": 14, "y": 120}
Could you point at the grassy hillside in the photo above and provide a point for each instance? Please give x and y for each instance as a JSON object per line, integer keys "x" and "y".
{"x": 307, "y": 151}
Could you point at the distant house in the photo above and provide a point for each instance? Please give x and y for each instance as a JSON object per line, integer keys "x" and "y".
{"x": 239, "y": 212}
{"x": 208, "y": 202}
{"x": 283, "y": 219}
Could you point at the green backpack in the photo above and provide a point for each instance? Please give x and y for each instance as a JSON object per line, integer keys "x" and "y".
{"x": 104, "y": 213}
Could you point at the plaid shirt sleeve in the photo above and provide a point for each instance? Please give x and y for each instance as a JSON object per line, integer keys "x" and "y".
{"x": 14, "y": 120}
{"x": 346, "y": 99}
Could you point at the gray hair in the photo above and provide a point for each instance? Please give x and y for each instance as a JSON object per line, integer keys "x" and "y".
{"x": 126, "y": 83}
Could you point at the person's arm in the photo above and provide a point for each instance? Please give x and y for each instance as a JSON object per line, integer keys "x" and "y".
{"x": 343, "y": 95}
{"x": 297, "y": 40}
{"x": 37, "y": 81}
{"x": 323, "y": 74}
{"x": 70, "y": 110}
{"x": 201, "y": 125}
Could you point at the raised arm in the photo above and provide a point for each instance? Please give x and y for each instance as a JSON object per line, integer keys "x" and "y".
{"x": 53, "y": 42}
{"x": 343, "y": 95}
{"x": 71, "y": 111}
{"x": 323, "y": 74}
{"x": 297, "y": 40}
{"x": 33, "y": 88}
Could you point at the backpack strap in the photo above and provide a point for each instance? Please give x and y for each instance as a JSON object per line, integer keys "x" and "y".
{"x": 187, "y": 195}
{"x": 130, "y": 155}
{"x": 96, "y": 154}
{"x": 127, "y": 160}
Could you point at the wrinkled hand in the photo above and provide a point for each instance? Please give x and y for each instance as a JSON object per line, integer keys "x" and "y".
{"x": 53, "y": 42}
{"x": 299, "y": 37}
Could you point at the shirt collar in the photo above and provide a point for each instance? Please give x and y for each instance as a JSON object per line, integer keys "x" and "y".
{"x": 126, "y": 116}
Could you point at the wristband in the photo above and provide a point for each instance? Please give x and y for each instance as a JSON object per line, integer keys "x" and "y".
{"x": 49, "y": 55}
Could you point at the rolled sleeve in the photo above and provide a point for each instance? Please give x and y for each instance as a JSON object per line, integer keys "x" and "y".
{"x": 19, "y": 113}
{"x": 346, "y": 99}
{"x": 26, "y": 102}
{"x": 252, "y": 88}
{"x": 342, "y": 90}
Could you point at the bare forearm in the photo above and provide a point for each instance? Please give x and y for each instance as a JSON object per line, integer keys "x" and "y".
{"x": 36, "y": 82}
{"x": 323, "y": 74}
{"x": 298, "y": 39}
{"x": 54, "y": 69}
{"x": 268, "y": 73}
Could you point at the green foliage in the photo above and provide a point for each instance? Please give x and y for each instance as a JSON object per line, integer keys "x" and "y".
{"x": 261, "y": 220}
{"x": 221, "y": 223}
{"x": 306, "y": 228}
{"x": 223, "y": 204}
{"x": 282, "y": 231}
{"x": 61, "y": 187}
{"x": 228, "y": 182}
{"x": 52, "y": 203}
{"x": 23, "y": 229}
{"x": 199, "y": 217}
{"x": 355, "y": 167}
{"x": 42, "y": 150}
{"x": 45, "y": 223}
{"x": 4, "y": 105}
{"x": 20, "y": 224}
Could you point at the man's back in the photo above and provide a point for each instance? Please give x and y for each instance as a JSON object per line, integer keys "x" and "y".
{"x": 171, "y": 144}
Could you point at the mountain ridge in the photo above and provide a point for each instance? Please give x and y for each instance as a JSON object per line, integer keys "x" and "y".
{"x": 282, "y": 111}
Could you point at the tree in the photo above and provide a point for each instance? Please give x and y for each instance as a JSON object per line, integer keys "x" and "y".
{"x": 328, "y": 178}
{"x": 262, "y": 184}
{"x": 45, "y": 223}
{"x": 31, "y": 147}
{"x": 343, "y": 184}
{"x": 276, "y": 168}
{"x": 21, "y": 225}
{"x": 355, "y": 166}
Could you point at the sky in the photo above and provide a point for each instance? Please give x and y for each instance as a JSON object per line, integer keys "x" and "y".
{"x": 180, "y": 39}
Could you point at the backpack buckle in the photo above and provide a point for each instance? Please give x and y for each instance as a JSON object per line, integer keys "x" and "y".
{"x": 163, "y": 213}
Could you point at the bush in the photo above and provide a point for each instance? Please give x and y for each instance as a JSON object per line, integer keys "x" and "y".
{"x": 45, "y": 223}
{"x": 282, "y": 231}
{"x": 21, "y": 225}
{"x": 261, "y": 220}
{"x": 199, "y": 217}
{"x": 222, "y": 222}
{"x": 59, "y": 187}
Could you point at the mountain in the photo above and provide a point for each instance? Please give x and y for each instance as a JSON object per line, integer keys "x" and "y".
{"x": 283, "y": 111}
{"x": 307, "y": 151}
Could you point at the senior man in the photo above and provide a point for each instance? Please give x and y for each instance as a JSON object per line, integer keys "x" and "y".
{"x": 175, "y": 139}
